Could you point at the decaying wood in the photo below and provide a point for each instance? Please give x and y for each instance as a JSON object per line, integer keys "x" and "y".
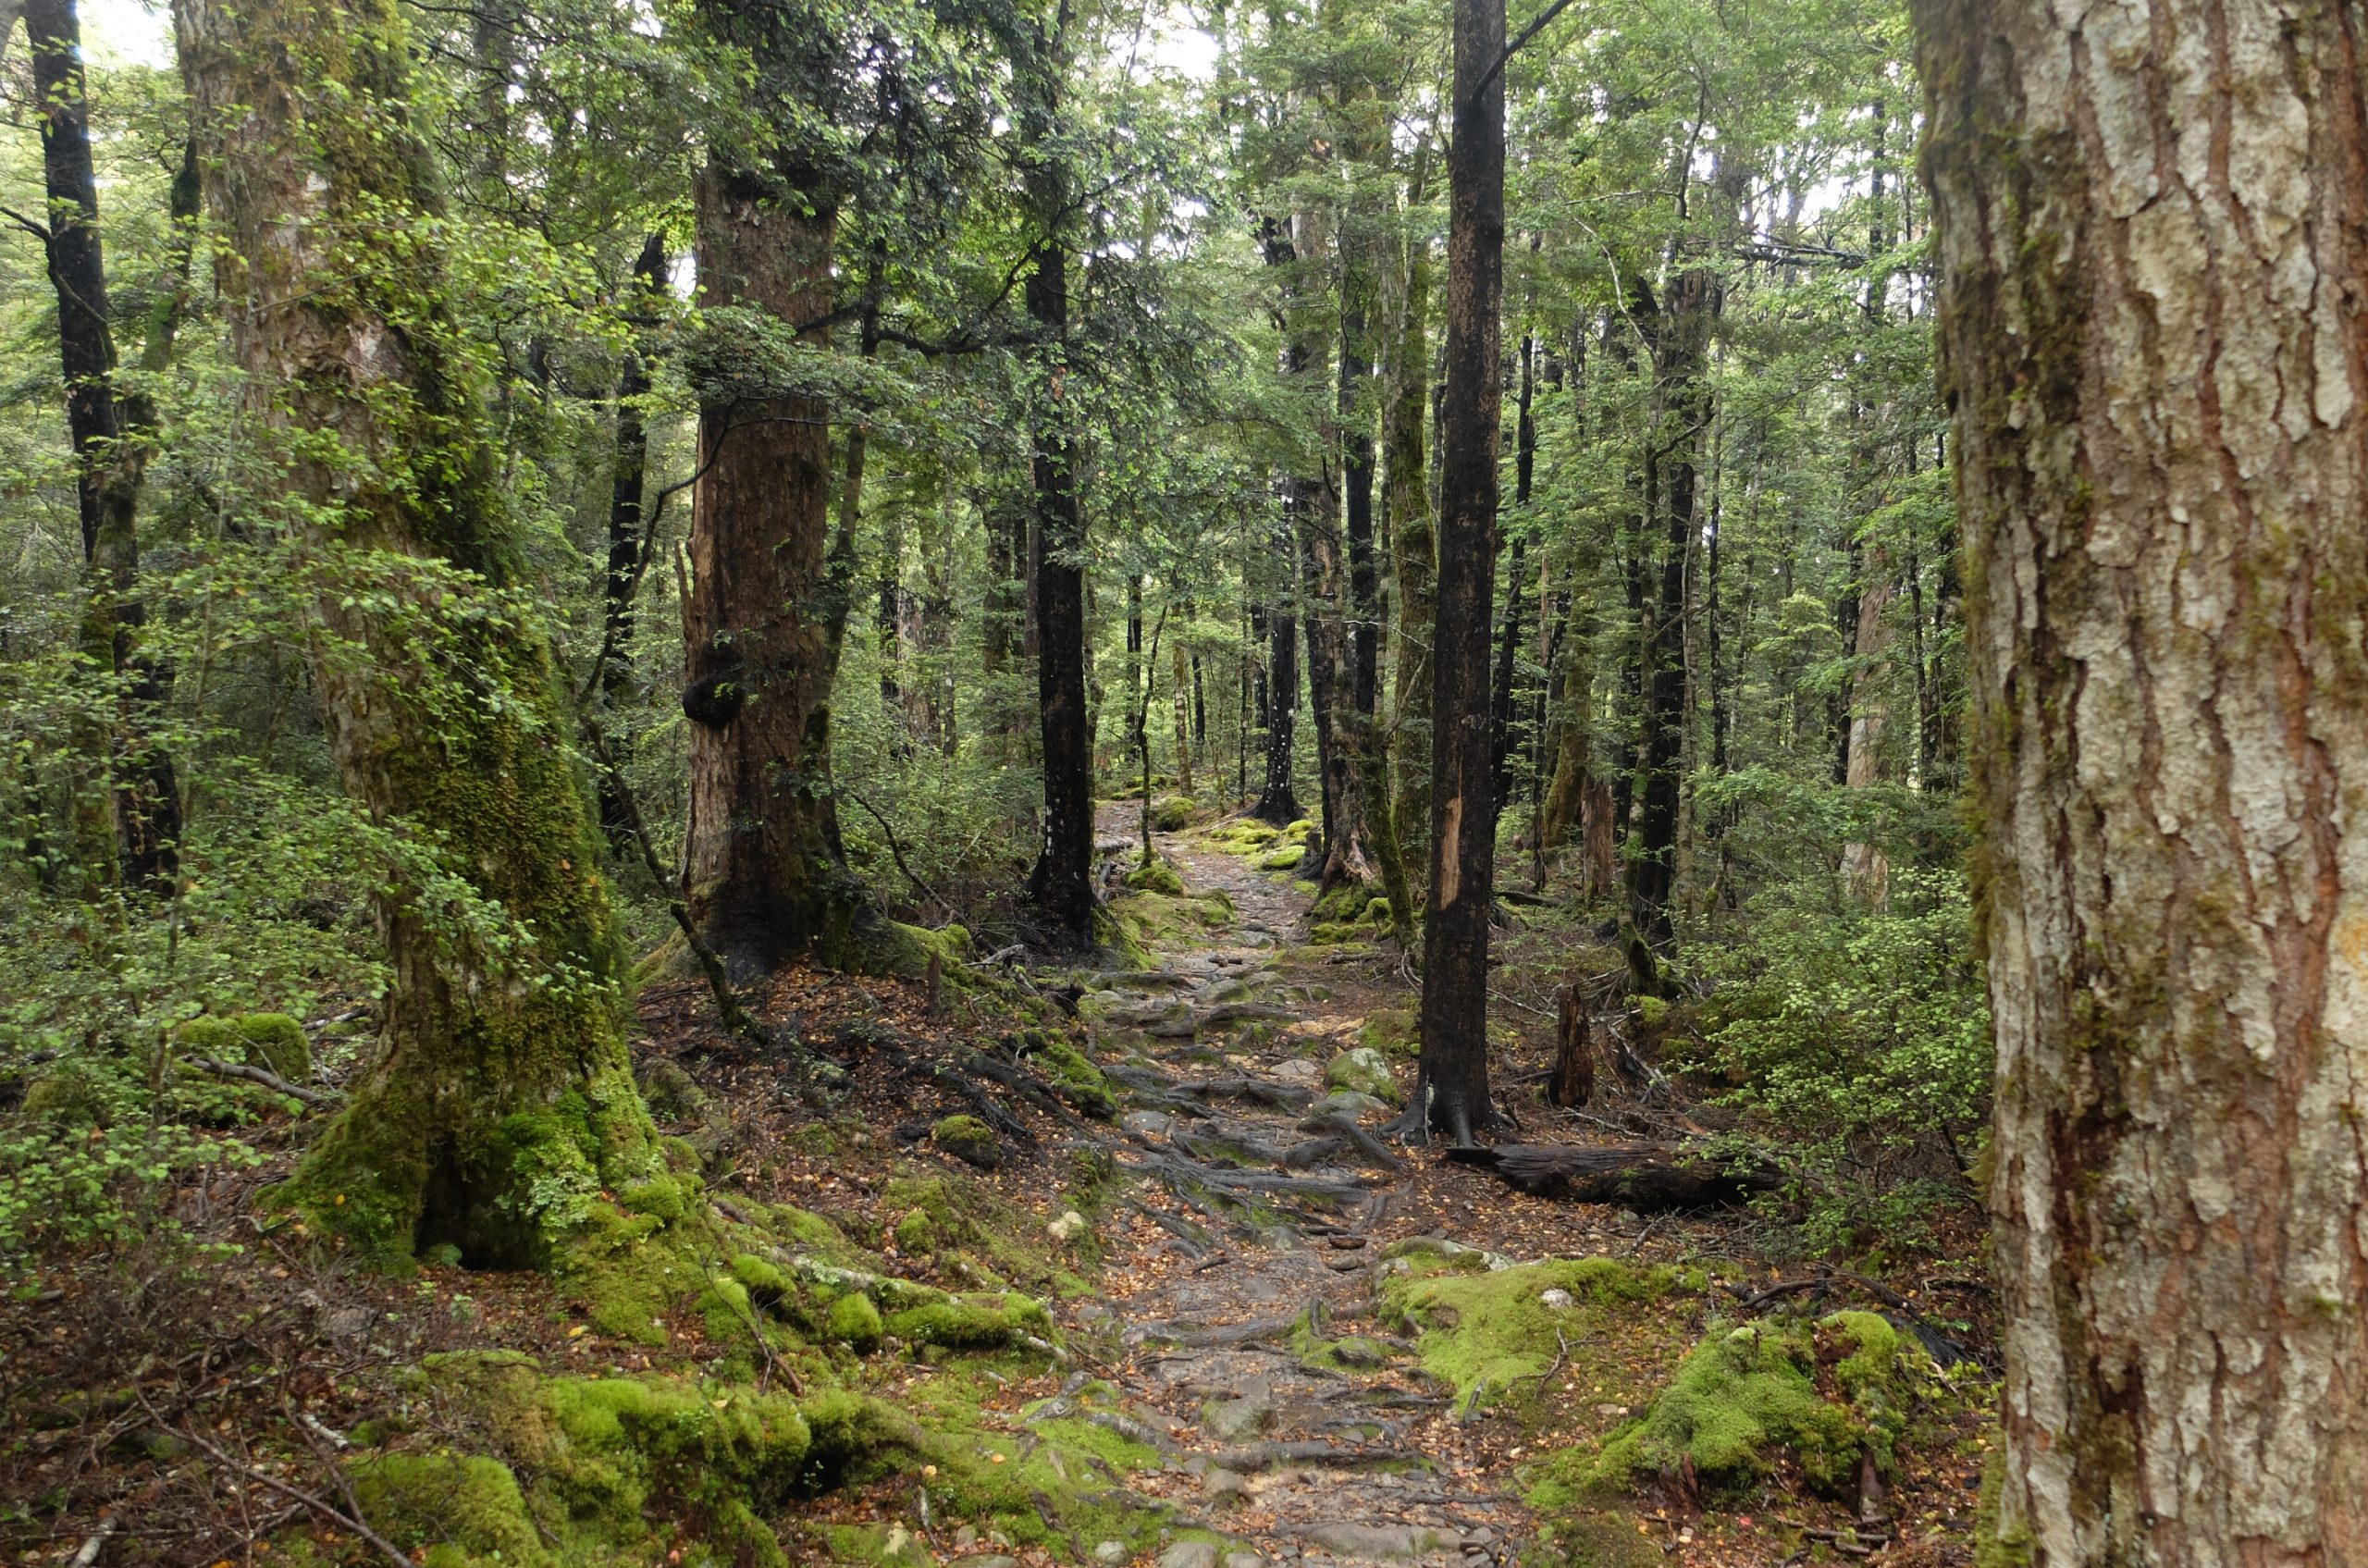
{"x": 1635, "y": 1176}
{"x": 1573, "y": 1083}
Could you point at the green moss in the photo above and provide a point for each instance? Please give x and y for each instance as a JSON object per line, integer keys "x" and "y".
{"x": 1075, "y": 1078}
{"x": 857, "y": 1322}
{"x": 916, "y": 1234}
{"x": 271, "y": 1041}
{"x": 1393, "y": 1032}
{"x": 1283, "y": 860}
{"x": 1157, "y": 876}
{"x": 462, "y": 1508}
{"x": 65, "y": 1096}
{"x": 764, "y": 1283}
{"x": 1302, "y": 829}
{"x": 627, "y": 1270}
{"x": 1485, "y": 1333}
{"x": 969, "y": 1140}
{"x": 1171, "y": 813}
{"x": 973, "y": 1322}
{"x": 1745, "y": 1393}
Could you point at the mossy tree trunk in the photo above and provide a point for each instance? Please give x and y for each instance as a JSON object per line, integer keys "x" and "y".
{"x": 2152, "y": 240}
{"x": 500, "y": 1101}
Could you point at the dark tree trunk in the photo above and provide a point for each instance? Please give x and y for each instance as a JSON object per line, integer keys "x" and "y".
{"x": 1061, "y": 885}
{"x": 1406, "y": 510}
{"x": 1453, "y": 1094}
{"x": 110, "y": 459}
{"x": 1278, "y": 803}
{"x": 767, "y": 877}
{"x": 1693, "y": 302}
{"x": 627, "y": 480}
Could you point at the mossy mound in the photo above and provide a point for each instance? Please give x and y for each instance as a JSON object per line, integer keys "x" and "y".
{"x": 1148, "y": 918}
{"x": 970, "y": 1233}
{"x": 979, "y": 1321}
{"x": 1247, "y": 836}
{"x": 1156, "y": 876}
{"x": 1824, "y": 1394}
{"x": 1172, "y": 813}
{"x": 1487, "y": 1332}
{"x": 271, "y": 1041}
{"x": 1073, "y": 1077}
{"x": 1393, "y": 1032}
{"x": 1284, "y": 859}
{"x": 1365, "y": 1071}
{"x": 968, "y": 1140}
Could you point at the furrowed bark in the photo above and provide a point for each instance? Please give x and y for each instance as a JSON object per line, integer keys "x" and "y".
{"x": 2152, "y": 241}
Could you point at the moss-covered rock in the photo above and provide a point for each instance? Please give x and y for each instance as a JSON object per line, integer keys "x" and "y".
{"x": 1172, "y": 813}
{"x": 969, "y": 1140}
{"x": 271, "y": 1041}
{"x": 1392, "y": 1031}
{"x": 1284, "y": 859}
{"x": 1073, "y": 1077}
{"x": 1362, "y": 1069}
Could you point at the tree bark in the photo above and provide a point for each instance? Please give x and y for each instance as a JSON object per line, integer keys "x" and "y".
{"x": 1277, "y": 802}
{"x": 768, "y": 880}
{"x": 627, "y": 482}
{"x": 1682, "y": 335}
{"x": 1406, "y": 508}
{"x": 1452, "y": 1088}
{"x": 2151, "y": 237}
{"x": 110, "y": 461}
{"x": 358, "y": 382}
{"x": 1061, "y": 883}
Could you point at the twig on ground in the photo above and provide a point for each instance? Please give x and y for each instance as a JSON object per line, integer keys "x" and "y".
{"x": 264, "y": 1075}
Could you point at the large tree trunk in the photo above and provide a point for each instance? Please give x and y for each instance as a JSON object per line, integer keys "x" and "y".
{"x": 2152, "y": 238}
{"x": 358, "y": 387}
{"x": 110, "y": 459}
{"x": 1061, "y": 885}
{"x": 768, "y": 880}
{"x": 1454, "y": 1072}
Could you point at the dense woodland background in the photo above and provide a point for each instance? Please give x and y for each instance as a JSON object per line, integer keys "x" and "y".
{"x": 1725, "y": 629}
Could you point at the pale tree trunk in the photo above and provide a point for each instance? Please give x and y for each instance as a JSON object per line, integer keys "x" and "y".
{"x": 1865, "y": 870}
{"x": 2151, "y": 229}
{"x": 1406, "y": 512}
{"x": 359, "y": 387}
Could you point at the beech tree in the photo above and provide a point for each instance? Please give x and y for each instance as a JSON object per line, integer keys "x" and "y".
{"x": 2152, "y": 267}
{"x": 504, "y": 964}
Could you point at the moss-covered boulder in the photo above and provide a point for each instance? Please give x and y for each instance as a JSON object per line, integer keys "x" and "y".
{"x": 1171, "y": 813}
{"x": 271, "y": 1041}
{"x": 968, "y": 1140}
{"x": 1362, "y": 1070}
{"x": 1392, "y": 1031}
{"x": 1825, "y": 1394}
{"x": 1287, "y": 858}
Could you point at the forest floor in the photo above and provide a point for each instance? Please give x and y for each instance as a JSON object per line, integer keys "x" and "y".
{"x": 1308, "y": 1347}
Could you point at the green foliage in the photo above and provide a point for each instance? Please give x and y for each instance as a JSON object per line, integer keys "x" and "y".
{"x": 1486, "y": 1333}
{"x": 1858, "y": 1041}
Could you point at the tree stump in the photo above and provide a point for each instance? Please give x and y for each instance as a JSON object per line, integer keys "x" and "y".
{"x": 1573, "y": 1080}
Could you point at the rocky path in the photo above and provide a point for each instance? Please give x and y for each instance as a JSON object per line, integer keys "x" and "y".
{"x": 1249, "y": 1345}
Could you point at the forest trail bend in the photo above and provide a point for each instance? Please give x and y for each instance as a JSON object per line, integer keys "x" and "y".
{"x": 1254, "y": 1352}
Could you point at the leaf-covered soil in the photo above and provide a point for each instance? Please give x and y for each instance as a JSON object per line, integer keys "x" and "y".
{"x": 1269, "y": 1334}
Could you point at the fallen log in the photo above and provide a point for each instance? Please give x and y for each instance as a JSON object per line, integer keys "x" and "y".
{"x": 1635, "y": 1176}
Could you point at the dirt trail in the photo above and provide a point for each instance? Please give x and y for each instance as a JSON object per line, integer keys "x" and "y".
{"x": 1293, "y": 1420}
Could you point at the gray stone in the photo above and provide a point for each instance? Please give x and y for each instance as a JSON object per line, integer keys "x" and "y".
{"x": 1110, "y": 1552}
{"x": 1381, "y": 1540}
{"x": 1244, "y": 1560}
{"x": 1151, "y": 1124}
{"x": 1556, "y": 1300}
{"x": 1347, "y": 1103}
{"x": 1298, "y": 1070}
{"x": 1190, "y": 1555}
{"x": 1225, "y": 1486}
{"x": 987, "y": 1559}
{"x": 1244, "y": 1417}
